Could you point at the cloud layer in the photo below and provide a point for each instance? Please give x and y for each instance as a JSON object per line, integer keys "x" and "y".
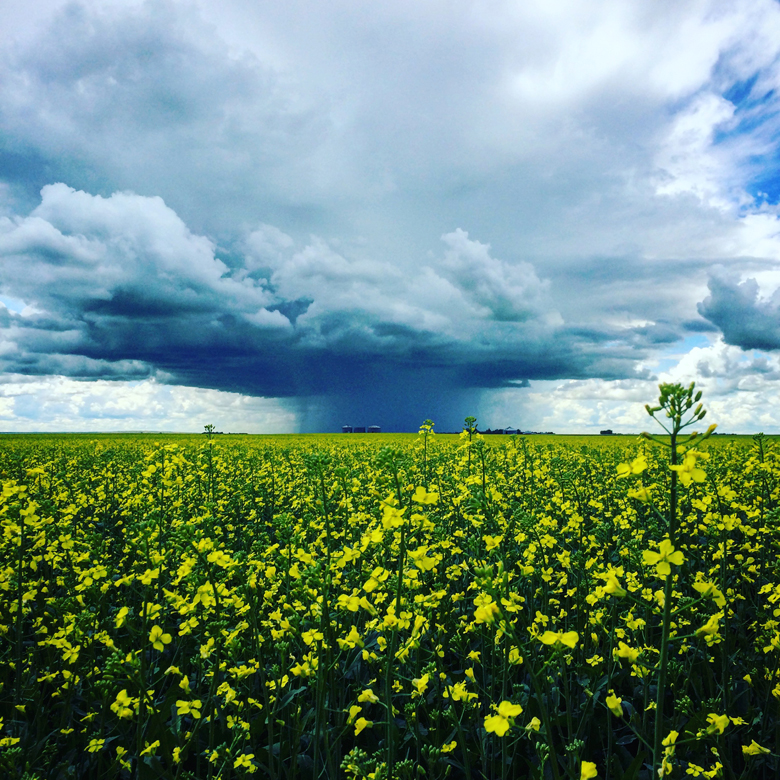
{"x": 386, "y": 213}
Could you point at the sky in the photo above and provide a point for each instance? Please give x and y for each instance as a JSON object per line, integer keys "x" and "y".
{"x": 288, "y": 217}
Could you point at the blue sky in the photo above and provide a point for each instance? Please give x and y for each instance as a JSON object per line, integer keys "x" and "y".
{"x": 292, "y": 216}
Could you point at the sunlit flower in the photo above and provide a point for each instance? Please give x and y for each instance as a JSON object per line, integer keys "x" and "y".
{"x": 368, "y": 696}
{"x": 588, "y": 770}
{"x": 666, "y": 555}
{"x": 244, "y": 761}
{"x": 687, "y": 471}
{"x": 503, "y": 719}
{"x": 159, "y": 638}
{"x": 362, "y": 723}
{"x": 188, "y": 708}
{"x": 420, "y": 685}
{"x": 637, "y": 466}
{"x": 754, "y": 749}
{"x": 614, "y": 704}
{"x": 559, "y": 638}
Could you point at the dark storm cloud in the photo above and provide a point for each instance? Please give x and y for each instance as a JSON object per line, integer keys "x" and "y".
{"x": 745, "y": 320}
{"x": 120, "y": 287}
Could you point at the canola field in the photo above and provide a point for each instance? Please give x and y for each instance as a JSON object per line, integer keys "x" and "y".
{"x": 391, "y": 606}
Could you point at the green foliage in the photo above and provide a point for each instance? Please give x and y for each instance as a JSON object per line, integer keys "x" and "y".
{"x": 460, "y": 607}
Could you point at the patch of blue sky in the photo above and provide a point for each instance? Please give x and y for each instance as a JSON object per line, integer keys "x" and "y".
{"x": 669, "y": 357}
{"x": 740, "y": 91}
{"x": 758, "y": 116}
{"x": 751, "y": 114}
{"x": 755, "y": 113}
{"x": 765, "y": 187}
{"x": 12, "y": 304}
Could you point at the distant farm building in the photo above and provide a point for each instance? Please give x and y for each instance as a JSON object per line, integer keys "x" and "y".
{"x": 374, "y": 429}
{"x": 607, "y": 432}
{"x": 359, "y": 429}
{"x": 346, "y": 429}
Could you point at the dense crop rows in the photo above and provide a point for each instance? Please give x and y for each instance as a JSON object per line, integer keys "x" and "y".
{"x": 313, "y": 607}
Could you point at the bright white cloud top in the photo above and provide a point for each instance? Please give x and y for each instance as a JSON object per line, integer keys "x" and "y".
{"x": 293, "y": 216}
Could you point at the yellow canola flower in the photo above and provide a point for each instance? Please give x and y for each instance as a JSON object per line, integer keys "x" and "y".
{"x": 378, "y": 575}
{"x": 349, "y": 602}
{"x": 121, "y": 616}
{"x": 124, "y": 706}
{"x": 421, "y": 559}
{"x": 558, "y": 638}
{"x": 95, "y": 745}
{"x": 613, "y": 587}
{"x": 708, "y": 590}
{"x": 502, "y": 721}
{"x": 491, "y": 542}
{"x": 189, "y": 708}
{"x": 392, "y": 517}
{"x": 369, "y": 696}
{"x": 588, "y": 770}
{"x": 245, "y": 761}
{"x": 151, "y": 748}
{"x": 637, "y": 466}
{"x": 710, "y": 628}
{"x": 629, "y": 653}
{"x": 449, "y": 747}
{"x": 159, "y": 638}
{"x": 361, "y": 724}
{"x": 514, "y": 656}
{"x": 718, "y": 723}
{"x": 310, "y": 637}
{"x": 458, "y": 692}
{"x": 666, "y": 555}
{"x": 614, "y": 703}
{"x": 420, "y": 685}
{"x": 669, "y": 745}
{"x": 687, "y": 471}
{"x": 754, "y": 749}
{"x": 422, "y": 496}
{"x": 354, "y": 711}
{"x": 642, "y": 493}
{"x": 487, "y": 609}
{"x": 352, "y": 640}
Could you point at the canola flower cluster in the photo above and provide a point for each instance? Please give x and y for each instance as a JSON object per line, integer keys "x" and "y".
{"x": 301, "y": 608}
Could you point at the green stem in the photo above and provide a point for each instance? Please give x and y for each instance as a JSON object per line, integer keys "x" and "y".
{"x": 663, "y": 664}
{"x": 19, "y": 610}
{"x": 663, "y": 661}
